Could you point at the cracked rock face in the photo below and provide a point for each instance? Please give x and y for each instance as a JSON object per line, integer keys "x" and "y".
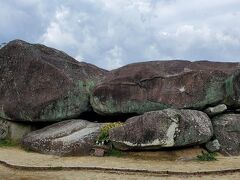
{"x": 165, "y": 128}
{"x": 39, "y": 83}
{"x": 71, "y": 137}
{"x": 150, "y": 86}
{"x": 227, "y": 132}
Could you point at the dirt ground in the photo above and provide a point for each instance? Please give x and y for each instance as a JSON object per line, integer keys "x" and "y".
{"x": 10, "y": 174}
{"x": 146, "y": 162}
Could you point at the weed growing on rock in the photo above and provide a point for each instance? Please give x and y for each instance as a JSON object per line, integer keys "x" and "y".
{"x": 207, "y": 156}
{"x": 104, "y": 133}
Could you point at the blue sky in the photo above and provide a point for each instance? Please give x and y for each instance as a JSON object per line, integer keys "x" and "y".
{"x": 112, "y": 33}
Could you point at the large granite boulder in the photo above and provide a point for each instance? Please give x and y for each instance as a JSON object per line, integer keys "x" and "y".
{"x": 39, "y": 83}
{"x": 161, "y": 129}
{"x": 71, "y": 137}
{"x": 148, "y": 86}
{"x": 227, "y": 132}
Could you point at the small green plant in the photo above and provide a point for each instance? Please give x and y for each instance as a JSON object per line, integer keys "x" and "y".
{"x": 104, "y": 133}
{"x": 207, "y": 156}
{"x": 7, "y": 143}
{"x": 115, "y": 153}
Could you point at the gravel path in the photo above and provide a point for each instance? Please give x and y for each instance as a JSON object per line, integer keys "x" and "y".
{"x": 153, "y": 166}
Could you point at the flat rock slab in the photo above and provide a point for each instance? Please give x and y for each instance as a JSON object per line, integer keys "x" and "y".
{"x": 156, "y": 85}
{"x": 71, "y": 137}
{"x": 39, "y": 83}
{"x": 161, "y": 129}
{"x": 227, "y": 132}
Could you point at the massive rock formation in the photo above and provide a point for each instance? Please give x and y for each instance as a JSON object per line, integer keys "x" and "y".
{"x": 71, "y": 137}
{"x": 143, "y": 87}
{"x": 165, "y": 128}
{"x": 227, "y": 132}
{"x": 39, "y": 83}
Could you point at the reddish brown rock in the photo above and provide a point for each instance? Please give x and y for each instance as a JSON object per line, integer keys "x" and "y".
{"x": 39, "y": 83}
{"x": 147, "y": 86}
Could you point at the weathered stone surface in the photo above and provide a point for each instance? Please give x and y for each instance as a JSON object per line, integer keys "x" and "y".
{"x": 213, "y": 146}
{"x": 71, "y": 137}
{"x": 232, "y": 93}
{"x": 165, "y": 128}
{"x": 227, "y": 132}
{"x": 39, "y": 83}
{"x": 13, "y": 130}
{"x": 148, "y": 86}
{"x": 212, "y": 111}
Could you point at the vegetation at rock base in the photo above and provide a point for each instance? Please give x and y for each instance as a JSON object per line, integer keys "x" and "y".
{"x": 104, "y": 133}
{"x": 114, "y": 152}
{"x": 207, "y": 156}
{"x": 7, "y": 143}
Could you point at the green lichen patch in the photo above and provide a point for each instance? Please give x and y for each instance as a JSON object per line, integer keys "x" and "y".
{"x": 214, "y": 94}
{"x": 73, "y": 104}
{"x": 113, "y": 107}
{"x": 229, "y": 86}
{"x": 232, "y": 97}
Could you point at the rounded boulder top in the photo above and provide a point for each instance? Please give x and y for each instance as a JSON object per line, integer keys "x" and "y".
{"x": 39, "y": 83}
{"x": 156, "y": 85}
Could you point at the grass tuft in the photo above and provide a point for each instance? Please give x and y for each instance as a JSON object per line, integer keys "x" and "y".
{"x": 115, "y": 153}
{"x": 207, "y": 156}
{"x": 104, "y": 134}
{"x": 7, "y": 143}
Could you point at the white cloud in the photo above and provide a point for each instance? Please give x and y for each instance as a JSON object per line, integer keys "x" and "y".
{"x": 57, "y": 34}
{"x": 79, "y": 57}
{"x": 113, "y": 33}
{"x": 114, "y": 58}
{"x": 153, "y": 52}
